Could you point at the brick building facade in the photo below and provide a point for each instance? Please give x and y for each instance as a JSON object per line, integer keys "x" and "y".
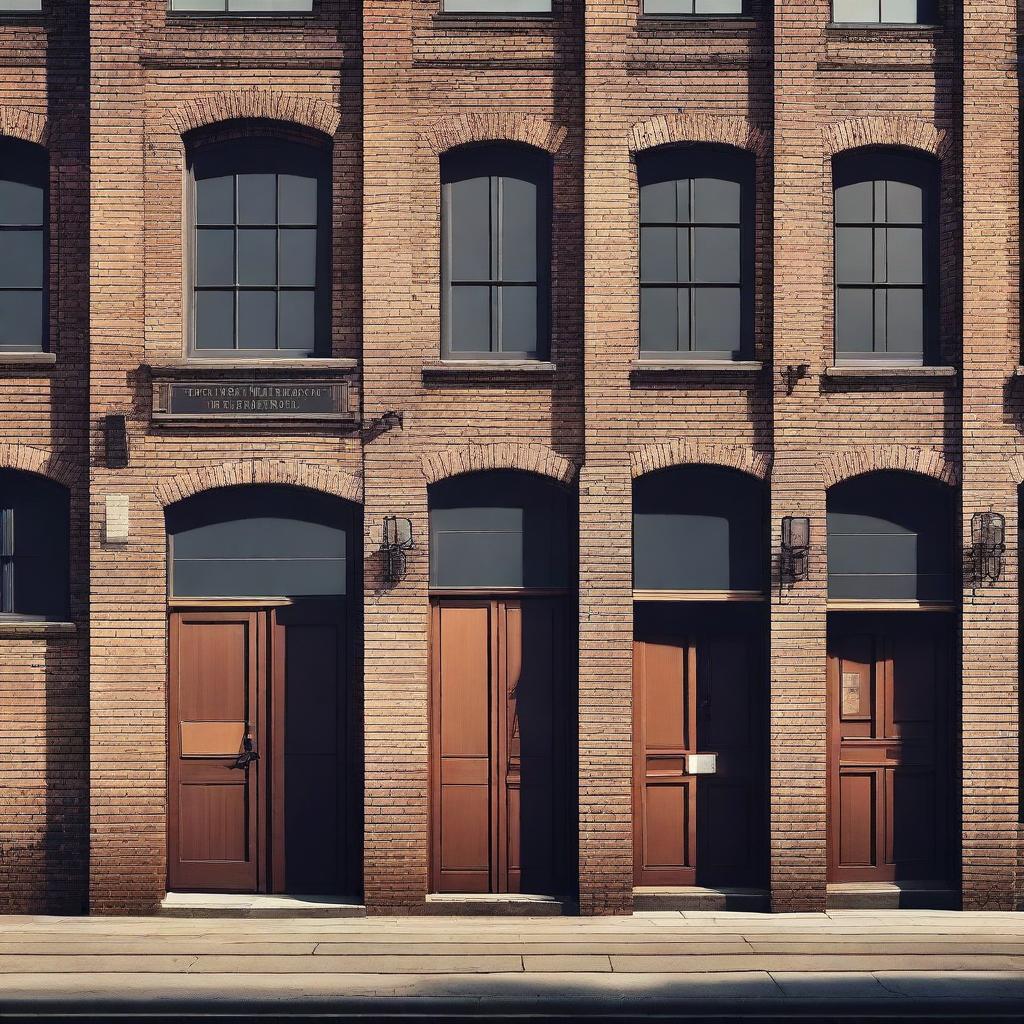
{"x": 121, "y": 95}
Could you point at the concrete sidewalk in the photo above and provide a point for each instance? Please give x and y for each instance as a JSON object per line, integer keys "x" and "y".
{"x": 873, "y": 963}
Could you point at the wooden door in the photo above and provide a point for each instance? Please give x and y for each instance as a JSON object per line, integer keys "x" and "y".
{"x": 217, "y": 675}
{"x": 701, "y": 693}
{"x": 497, "y": 745}
{"x": 888, "y": 688}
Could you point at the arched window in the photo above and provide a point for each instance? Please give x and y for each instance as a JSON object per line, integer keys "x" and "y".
{"x": 495, "y": 252}
{"x": 886, "y": 256}
{"x": 890, "y": 538}
{"x": 884, "y": 12}
{"x": 699, "y": 529}
{"x": 496, "y": 530}
{"x": 259, "y": 541}
{"x": 696, "y": 251}
{"x": 34, "y": 547}
{"x": 23, "y": 236}
{"x": 261, "y": 215}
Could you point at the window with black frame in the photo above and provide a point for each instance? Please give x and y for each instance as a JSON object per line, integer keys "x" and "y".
{"x": 242, "y": 6}
{"x": 884, "y": 12}
{"x": 496, "y": 6}
{"x": 496, "y": 252}
{"x": 34, "y": 546}
{"x": 698, "y": 8}
{"x": 23, "y": 243}
{"x": 696, "y": 252}
{"x": 21, "y": 6}
{"x": 886, "y": 257}
{"x": 260, "y": 271}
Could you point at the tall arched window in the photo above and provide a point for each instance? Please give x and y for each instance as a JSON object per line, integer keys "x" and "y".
{"x": 886, "y": 256}
{"x": 495, "y": 252}
{"x": 261, "y": 215}
{"x": 34, "y": 547}
{"x": 23, "y": 235}
{"x": 696, "y": 251}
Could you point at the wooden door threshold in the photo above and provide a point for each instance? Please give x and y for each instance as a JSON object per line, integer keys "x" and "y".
{"x": 511, "y": 904}
{"x": 699, "y": 897}
{"x": 910, "y": 895}
{"x": 213, "y": 904}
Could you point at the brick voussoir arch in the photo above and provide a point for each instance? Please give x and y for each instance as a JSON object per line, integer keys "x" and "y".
{"x": 41, "y": 461}
{"x": 669, "y": 129}
{"x": 666, "y": 454}
{"x": 494, "y": 126}
{"x": 263, "y": 104}
{"x": 473, "y": 458}
{"x": 261, "y": 471}
{"x": 910, "y": 133}
{"x": 906, "y": 458}
{"x": 16, "y": 123}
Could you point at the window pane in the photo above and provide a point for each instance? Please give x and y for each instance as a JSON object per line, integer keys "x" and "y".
{"x": 470, "y": 320}
{"x": 518, "y": 230}
{"x": 215, "y": 200}
{"x": 215, "y": 319}
{"x": 854, "y": 255}
{"x": 716, "y": 319}
{"x": 854, "y": 320}
{"x": 854, "y": 203}
{"x": 904, "y": 250}
{"x": 215, "y": 257}
{"x": 518, "y": 319}
{"x": 257, "y": 199}
{"x": 716, "y": 255}
{"x": 497, "y": 6}
{"x": 470, "y": 229}
{"x": 659, "y": 319}
{"x": 905, "y": 320}
{"x": 719, "y": 6}
{"x": 257, "y": 320}
{"x": 298, "y": 258}
{"x": 855, "y": 10}
{"x": 658, "y": 203}
{"x": 21, "y": 204}
{"x": 900, "y": 11}
{"x": 257, "y": 257}
{"x": 21, "y": 320}
{"x": 658, "y": 253}
{"x": 668, "y": 6}
{"x": 21, "y": 259}
{"x": 297, "y": 329}
{"x": 297, "y": 199}
{"x": 904, "y": 203}
{"x": 716, "y": 201}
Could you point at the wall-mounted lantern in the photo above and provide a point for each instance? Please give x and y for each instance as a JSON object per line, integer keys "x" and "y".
{"x": 795, "y": 548}
{"x": 396, "y": 541}
{"x": 988, "y": 544}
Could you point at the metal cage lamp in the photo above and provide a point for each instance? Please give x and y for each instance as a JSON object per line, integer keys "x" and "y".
{"x": 988, "y": 544}
{"x": 795, "y": 548}
{"x": 397, "y": 540}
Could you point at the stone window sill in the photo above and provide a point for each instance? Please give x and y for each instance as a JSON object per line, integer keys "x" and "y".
{"x": 248, "y": 367}
{"x": 29, "y": 629}
{"x": 492, "y": 20}
{"x": 16, "y": 361}
{"x": 851, "y": 372}
{"x": 675, "y": 368}
{"x": 501, "y": 370}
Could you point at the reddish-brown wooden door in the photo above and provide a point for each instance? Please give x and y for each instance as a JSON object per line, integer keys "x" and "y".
{"x": 497, "y": 745}
{"x": 274, "y": 682}
{"x": 698, "y": 694}
{"x": 888, "y": 688}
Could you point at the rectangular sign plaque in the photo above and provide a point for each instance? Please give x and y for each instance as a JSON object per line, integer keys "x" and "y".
{"x": 251, "y": 400}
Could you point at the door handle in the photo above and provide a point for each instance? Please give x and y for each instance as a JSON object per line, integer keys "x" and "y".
{"x": 247, "y": 756}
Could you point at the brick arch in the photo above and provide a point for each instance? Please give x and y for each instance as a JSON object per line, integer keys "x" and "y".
{"x": 473, "y": 458}
{"x": 16, "y": 123}
{"x": 494, "y": 126}
{"x": 668, "y": 129}
{"x": 261, "y": 471}
{"x": 870, "y": 459}
{"x": 1017, "y": 469}
{"x": 264, "y": 104}
{"x": 910, "y": 133}
{"x": 41, "y": 461}
{"x": 664, "y": 455}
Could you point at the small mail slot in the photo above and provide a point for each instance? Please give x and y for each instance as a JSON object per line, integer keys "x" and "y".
{"x": 701, "y": 764}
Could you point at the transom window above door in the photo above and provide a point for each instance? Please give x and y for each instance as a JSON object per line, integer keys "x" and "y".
{"x": 696, "y": 252}
{"x": 260, "y": 268}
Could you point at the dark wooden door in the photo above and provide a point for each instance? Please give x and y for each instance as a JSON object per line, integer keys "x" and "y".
{"x": 275, "y": 681}
{"x": 888, "y": 689}
{"x": 497, "y": 745}
{"x": 695, "y": 694}
{"x": 216, "y": 673}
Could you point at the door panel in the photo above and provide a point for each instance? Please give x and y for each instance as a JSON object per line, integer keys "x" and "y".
{"x": 888, "y": 714}
{"x": 215, "y": 670}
